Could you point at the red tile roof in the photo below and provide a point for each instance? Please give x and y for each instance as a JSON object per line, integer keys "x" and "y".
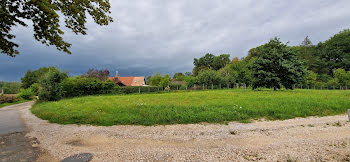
{"x": 129, "y": 81}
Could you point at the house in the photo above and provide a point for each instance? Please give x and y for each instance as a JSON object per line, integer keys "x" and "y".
{"x": 128, "y": 81}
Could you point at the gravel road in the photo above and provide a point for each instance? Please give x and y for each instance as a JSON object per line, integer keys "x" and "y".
{"x": 301, "y": 139}
{"x": 14, "y": 144}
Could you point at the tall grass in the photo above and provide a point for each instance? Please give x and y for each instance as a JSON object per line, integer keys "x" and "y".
{"x": 213, "y": 106}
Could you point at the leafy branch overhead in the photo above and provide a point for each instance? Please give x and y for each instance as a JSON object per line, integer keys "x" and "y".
{"x": 45, "y": 15}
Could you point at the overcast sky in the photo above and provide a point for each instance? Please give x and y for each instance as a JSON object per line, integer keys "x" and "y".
{"x": 151, "y": 36}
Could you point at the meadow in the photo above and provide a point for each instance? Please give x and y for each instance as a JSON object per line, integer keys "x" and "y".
{"x": 212, "y": 106}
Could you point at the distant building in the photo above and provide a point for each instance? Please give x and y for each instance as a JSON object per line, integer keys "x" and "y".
{"x": 128, "y": 81}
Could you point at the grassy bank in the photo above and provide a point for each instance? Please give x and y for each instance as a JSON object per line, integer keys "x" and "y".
{"x": 13, "y": 103}
{"x": 214, "y": 106}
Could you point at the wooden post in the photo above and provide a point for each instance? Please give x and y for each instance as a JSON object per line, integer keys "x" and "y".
{"x": 349, "y": 114}
{"x": 149, "y": 90}
{"x": 220, "y": 86}
{"x": 212, "y": 86}
{"x": 186, "y": 87}
{"x": 203, "y": 86}
{"x": 139, "y": 89}
{"x": 177, "y": 87}
{"x": 228, "y": 86}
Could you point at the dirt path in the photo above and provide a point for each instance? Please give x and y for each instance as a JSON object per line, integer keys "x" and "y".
{"x": 306, "y": 139}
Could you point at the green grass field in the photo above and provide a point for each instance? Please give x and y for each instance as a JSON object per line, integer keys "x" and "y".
{"x": 215, "y": 106}
{"x": 8, "y": 104}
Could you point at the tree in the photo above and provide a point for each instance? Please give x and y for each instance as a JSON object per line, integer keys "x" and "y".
{"x": 45, "y": 15}
{"x": 342, "y": 76}
{"x": 336, "y": 52}
{"x": 306, "y": 42}
{"x": 209, "y": 77}
{"x": 311, "y": 78}
{"x": 99, "y": 74}
{"x": 277, "y": 65}
{"x": 178, "y": 76}
{"x": 210, "y": 61}
{"x": 35, "y": 76}
{"x": 50, "y": 85}
{"x": 158, "y": 80}
{"x": 221, "y": 61}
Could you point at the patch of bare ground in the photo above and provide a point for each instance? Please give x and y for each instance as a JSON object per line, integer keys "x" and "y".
{"x": 301, "y": 139}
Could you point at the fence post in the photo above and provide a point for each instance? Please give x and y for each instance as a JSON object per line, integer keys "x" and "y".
{"x": 186, "y": 87}
{"x": 139, "y": 89}
{"x": 149, "y": 89}
{"x": 212, "y": 86}
{"x": 177, "y": 87}
{"x": 203, "y": 87}
{"x": 228, "y": 86}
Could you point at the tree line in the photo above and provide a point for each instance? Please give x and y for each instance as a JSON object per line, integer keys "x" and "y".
{"x": 274, "y": 65}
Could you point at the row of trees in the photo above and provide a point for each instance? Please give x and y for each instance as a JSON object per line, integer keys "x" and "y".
{"x": 10, "y": 87}
{"x": 275, "y": 65}
{"x": 51, "y": 84}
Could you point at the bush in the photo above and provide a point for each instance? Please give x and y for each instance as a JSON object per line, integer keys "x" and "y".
{"x": 51, "y": 88}
{"x": 35, "y": 88}
{"x": 141, "y": 89}
{"x": 80, "y": 86}
{"x": 8, "y": 99}
{"x": 26, "y": 94}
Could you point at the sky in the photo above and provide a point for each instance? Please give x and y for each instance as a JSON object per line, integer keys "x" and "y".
{"x": 149, "y": 36}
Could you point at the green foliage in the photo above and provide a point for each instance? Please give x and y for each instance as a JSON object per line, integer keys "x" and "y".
{"x": 35, "y": 88}
{"x": 277, "y": 65}
{"x": 50, "y": 85}
{"x": 158, "y": 80}
{"x": 179, "y": 76}
{"x": 26, "y": 94}
{"x": 336, "y": 51}
{"x": 209, "y": 61}
{"x": 35, "y": 76}
{"x": 45, "y": 17}
{"x": 209, "y": 77}
{"x": 10, "y": 87}
{"x": 221, "y": 61}
{"x": 311, "y": 78}
{"x": 138, "y": 89}
{"x": 215, "y": 106}
{"x": 342, "y": 76}
{"x": 80, "y": 86}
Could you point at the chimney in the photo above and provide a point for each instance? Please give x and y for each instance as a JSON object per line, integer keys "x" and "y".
{"x": 117, "y": 74}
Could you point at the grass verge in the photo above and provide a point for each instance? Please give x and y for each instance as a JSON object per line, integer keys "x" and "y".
{"x": 214, "y": 106}
{"x": 13, "y": 103}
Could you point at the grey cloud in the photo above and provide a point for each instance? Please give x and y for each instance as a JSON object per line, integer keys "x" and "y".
{"x": 164, "y": 36}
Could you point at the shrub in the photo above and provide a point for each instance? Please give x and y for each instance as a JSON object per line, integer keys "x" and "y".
{"x": 26, "y": 94}
{"x": 8, "y": 99}
{"x": 51, "y": 88}
{"x": 80, "y": 86}
{"x": 35, "y": 88}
